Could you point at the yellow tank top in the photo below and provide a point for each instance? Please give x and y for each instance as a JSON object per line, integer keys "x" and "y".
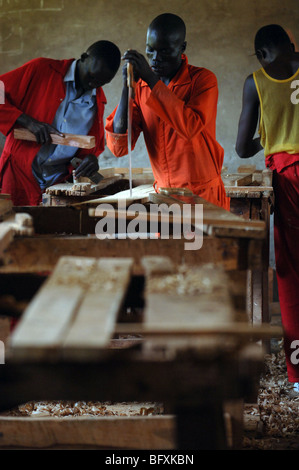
{"x": 279, "y": 112}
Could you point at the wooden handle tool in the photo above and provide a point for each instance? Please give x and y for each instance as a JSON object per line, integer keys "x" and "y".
{"x": 130, "y": 79}
{"x": 71, "y": 140}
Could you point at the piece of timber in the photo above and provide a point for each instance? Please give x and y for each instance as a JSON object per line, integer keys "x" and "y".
{"x": 237, "y": 179}
{"x": 185, "y": 296}
{"x": 214, "y": 220}
{"x": 249, "y": 191}
{"x": 41, "y": 253}
{"x": 75, "y": 308}
{"x": 122, "y": 432}
{"x": 71, "y": 140}
{"x": 140, "y": 194}
{"x": 6, "y": 205}
{"x": 14, "y": 224}
{"x": 81, "y": 188}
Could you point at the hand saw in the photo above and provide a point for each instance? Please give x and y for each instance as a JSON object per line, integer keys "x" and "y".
{"x": 131, "y": 96}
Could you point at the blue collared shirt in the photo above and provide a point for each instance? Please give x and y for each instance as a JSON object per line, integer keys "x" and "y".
{"x": 74, "y": 116}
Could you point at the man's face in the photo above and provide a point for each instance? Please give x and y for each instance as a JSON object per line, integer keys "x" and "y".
{"x": 93, "y": 73}
{"x": 164, "y": 52}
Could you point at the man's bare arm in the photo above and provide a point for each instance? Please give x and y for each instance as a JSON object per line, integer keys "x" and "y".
{"x": 246, "y": 145}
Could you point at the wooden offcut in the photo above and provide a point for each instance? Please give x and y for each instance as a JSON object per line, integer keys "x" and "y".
{"x": 12, "y": 224}
{"x": 71, "y": 140}
{"x": 140, "y": 194}
{"x": 81, "y": 188}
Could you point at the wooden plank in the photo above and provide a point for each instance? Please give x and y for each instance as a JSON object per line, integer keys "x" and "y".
{"x": 6, "y": 237}
{"x": 140, "y": 194}
{"x": 76, "y": 308}
{"x": 240, "y": 330}
{"x": 215, "y": 219}
{"x": 5, "y": 206}
{"x": 44, "y": 322}
{"x": 71, "y": 140}
{"x": 135, "y": 171}
{"x": 16, "y": 224}
{"x": 95, "y": 321}
{"x": 246, "y": 168}
{"x": 237, "y": 179}
{"x": 122, "y": 432}
{"x": 185, "y": 297}
{"x": 249, "y": 191}
{"x": 81, "y": 188}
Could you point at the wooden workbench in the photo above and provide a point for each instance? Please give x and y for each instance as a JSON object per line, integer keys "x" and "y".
{"x": 230, "y": 243}
{"x": 251, "y": 194}
{"x": 192, "y": 351}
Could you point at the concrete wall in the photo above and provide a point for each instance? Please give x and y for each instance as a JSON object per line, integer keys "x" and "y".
{"x": 220, "y": 37}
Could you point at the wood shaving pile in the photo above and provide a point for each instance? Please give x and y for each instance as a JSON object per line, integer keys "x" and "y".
{"x": 277, "y": 408}
{"x": 61, "y": 409}
{"x": 188, "y": 281}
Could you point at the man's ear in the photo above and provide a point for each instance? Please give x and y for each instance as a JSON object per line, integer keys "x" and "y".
{"x": 84, "y": 56}
{"x": 261, "y": 54}
{"x": 184, "y": 45}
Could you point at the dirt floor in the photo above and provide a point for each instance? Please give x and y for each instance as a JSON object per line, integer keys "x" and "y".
{"x": 273, "y": 423}
{"x": 270, "y": 424}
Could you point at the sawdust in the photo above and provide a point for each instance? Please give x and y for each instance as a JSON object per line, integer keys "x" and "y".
{"x": 188, "y": 281}
{"x": 61, "y": 409}
{"x": 276, "y": 410}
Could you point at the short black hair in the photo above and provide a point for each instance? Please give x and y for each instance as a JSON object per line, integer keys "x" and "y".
{"x": 170, "y": 22}
{"x": 271, "y": 36}
{"x": 108, "y": 51}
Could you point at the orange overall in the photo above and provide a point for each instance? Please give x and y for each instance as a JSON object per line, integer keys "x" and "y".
{"x": 178, "y": 122}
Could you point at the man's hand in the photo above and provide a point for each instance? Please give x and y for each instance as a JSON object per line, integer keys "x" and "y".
{"x": 88, "y": 166}
{"x": 41, "y": 130}
{"x": 141, "y": 67}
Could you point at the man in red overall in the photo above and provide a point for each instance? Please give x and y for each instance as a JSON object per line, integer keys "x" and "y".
{"x": 53, "y": 96}
{"x": 272, "y": 94}
{"x": 175, "y": 107}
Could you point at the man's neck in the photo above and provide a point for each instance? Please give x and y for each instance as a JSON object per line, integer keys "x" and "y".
{"x": 284, "y": 66}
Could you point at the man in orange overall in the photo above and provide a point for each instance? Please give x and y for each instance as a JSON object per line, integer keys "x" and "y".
{"x": 271, "y": 94}
{"x": 175, "y": 107}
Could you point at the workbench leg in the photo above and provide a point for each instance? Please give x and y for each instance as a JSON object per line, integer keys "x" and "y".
{"x": 260, "y": 291}
{"x": 201, "y": 428}
{"x": 258, "y": 297}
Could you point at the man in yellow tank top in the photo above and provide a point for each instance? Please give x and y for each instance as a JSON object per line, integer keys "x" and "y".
{"x": 271, "y": 103}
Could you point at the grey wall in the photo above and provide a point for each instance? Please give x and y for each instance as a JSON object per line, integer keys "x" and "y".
{"x": 220, "y": 37}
